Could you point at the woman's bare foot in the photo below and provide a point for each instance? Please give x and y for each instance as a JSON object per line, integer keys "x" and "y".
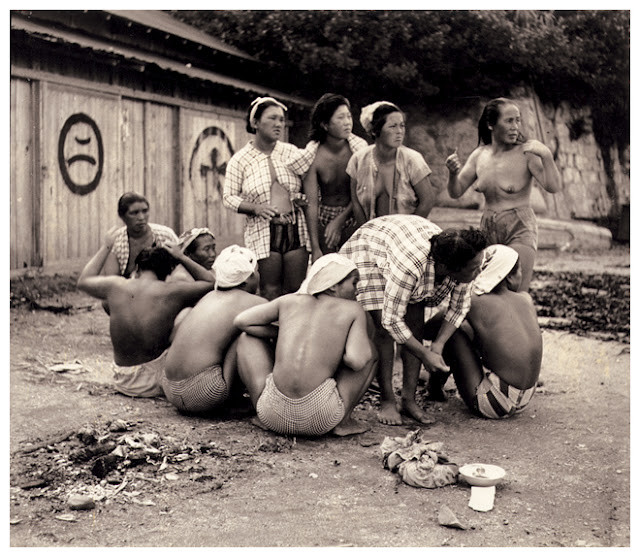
{"x": 411, "y": 409}
{"x": 350, "y": 426}
{"x": 256, "y": 421}
{"x": 388, "y": 414}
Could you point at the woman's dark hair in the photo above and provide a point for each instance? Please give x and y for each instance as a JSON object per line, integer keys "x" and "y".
{"x": 489, "y": 117}
{"x": 322, "y": 112}
{"x": 128, "y": 199}
{"x": 259, "y": 110}
{"x": 158, "y": 260}
{"x": 380, "y": 117}
{"x": 454, "y": 248}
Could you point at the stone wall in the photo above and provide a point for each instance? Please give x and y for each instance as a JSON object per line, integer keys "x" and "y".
{"x": 588, "y": 192}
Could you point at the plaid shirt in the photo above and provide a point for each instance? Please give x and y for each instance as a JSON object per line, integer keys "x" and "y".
{"x": 392, "y": 254}
{"x": 302, "y": 160}
{"x": 248, "y": 178}
{"x": 161, "y": 235}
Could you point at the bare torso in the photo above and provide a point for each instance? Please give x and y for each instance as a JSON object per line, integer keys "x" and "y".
{"x": 507, "y": 336}
{"x": 333, "y": 180}
{"x": 311, "y": 345}
{"x": 141, "y": 320}
{"x": 206, "y": 332}
{"x": 503, "y": 177}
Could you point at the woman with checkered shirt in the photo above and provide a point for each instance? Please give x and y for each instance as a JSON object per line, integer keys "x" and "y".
{"x": 259, "y": 184}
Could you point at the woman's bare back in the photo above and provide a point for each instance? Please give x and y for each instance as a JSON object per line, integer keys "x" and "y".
{"x": 311, "y": 341}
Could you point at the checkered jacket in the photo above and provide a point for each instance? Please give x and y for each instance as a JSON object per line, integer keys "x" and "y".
{"x": 248, "y": 179}
{"x": 392, "y": 254}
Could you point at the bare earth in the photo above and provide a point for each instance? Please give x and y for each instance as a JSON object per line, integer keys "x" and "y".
{"x": 221, "y": 481}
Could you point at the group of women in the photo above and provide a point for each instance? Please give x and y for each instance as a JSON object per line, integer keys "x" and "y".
{"x": 301, "y": 201}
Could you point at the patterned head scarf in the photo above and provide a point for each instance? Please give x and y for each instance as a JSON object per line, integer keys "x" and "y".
{"x": 498, "y": 262}
{"x": 188, "y": 236}
{"x": 366, "y": 115}
{"x": 233, "y": 266}
{"x": 326, "y": 272}
{"x": 258, "y": 101}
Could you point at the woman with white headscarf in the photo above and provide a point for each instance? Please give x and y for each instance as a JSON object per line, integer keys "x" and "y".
{"x": 259, "y": 184}
{"x": 387, "y": 177}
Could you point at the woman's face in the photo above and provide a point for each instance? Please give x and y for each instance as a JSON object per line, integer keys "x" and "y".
{"x": 137, "y": 216}
{"x": 392, "y": 132}
{"x": 205, "y": 251}
{"x": 470, "y": 271}
{"x": 270, "y": 125}
{"x": 507, "y": 128}
{"x": 347, "y": 288}
{"x": 341, "y": 123}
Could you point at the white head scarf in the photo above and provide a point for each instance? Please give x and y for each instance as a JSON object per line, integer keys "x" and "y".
{"x": 366, "y": 114}
{"x": 188, "y": 236}
{"x": 326, "y": 272}
{"x": 498, "y": 262}
{"x": 258, "y": 101}
{"x": 233, "y": 266}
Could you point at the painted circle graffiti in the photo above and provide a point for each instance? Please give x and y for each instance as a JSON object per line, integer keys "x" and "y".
{"x": 80, "y": 154}
{"x": 209, "y": 158}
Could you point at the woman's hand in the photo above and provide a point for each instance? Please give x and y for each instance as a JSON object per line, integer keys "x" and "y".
{"x": 333, "y": 233}
{"x": 434, "y": 361}
{"x": 453, "y": 162}
{"x": 265, "y": 211}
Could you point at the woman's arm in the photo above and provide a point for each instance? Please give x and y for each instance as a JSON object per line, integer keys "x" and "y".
{"x": 310, "y": 189}
{"x": 461, "y": 177}
{"x": 358, "y": 211}
{"x": 427, "y": 195}
{"x": 542, "y": 166}
{"x": 258, "y": 320}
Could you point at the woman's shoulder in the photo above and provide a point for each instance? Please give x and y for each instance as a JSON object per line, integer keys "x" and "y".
{"x": 163, "y": 230}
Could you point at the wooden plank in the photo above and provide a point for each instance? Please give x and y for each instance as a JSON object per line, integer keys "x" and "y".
{"x": 159, "y": 157}
{"x": 21, "y": 177}
{"x": 80, "y": 161}
{"x": 207, "y": 143}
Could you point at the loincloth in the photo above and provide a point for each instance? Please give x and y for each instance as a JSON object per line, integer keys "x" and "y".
{"x": 496, "y": 399}
{"x": 141, "y": 380}
{"x": 314, "y": 414}
{"x": 199, "y": 393}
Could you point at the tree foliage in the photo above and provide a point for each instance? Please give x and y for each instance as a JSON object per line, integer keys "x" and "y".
{"x": 437, "y": 56}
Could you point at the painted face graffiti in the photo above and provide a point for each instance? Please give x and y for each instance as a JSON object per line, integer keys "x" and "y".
{"x": 80, "y": 154}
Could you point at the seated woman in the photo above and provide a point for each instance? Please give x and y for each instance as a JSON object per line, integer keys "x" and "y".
{"x": 387, "y": 177}
{"x": 199, "y": 245}
{"x": 136, "y": 234}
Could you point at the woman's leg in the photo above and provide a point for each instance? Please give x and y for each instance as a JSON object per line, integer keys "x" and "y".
{"x": 255, "y": 362}
{"x": 271, "y": 276}
{"x": 527, "y": 258}
{"x": 294, "y": 268}
{"x": 463, "y": 360}
{"x": 388, "y": 413}
{"x": 352, "y": 384}
{"x": 414, "y": 318}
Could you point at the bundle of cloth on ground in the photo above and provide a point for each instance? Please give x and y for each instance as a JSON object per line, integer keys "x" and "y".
{"x": 419, "y": 463}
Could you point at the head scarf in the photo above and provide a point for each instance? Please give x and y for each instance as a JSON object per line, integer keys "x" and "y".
{"x": 188, "y": 236}
{"x": 366, "y": 114}
{"x": 233, "y": 266}
{"x": 498, "y": 262}
{"x": 258, "y": 101}
{"x": 326, "y": 272}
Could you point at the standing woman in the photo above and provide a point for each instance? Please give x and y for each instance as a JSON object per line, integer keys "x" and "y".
{"x": 259, "y": 184}
{"x": 387, "y": 177}
{"x": 326, "y": 184}
{"x": 136, "y": 234}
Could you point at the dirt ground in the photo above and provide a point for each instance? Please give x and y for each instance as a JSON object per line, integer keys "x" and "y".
{"x": 220, "y": 481}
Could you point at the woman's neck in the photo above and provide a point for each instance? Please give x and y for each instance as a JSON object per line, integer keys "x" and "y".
{"x": 266, "y": 146}
{"x": 384, "y": 154}
{"x": 138, "y": 235}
